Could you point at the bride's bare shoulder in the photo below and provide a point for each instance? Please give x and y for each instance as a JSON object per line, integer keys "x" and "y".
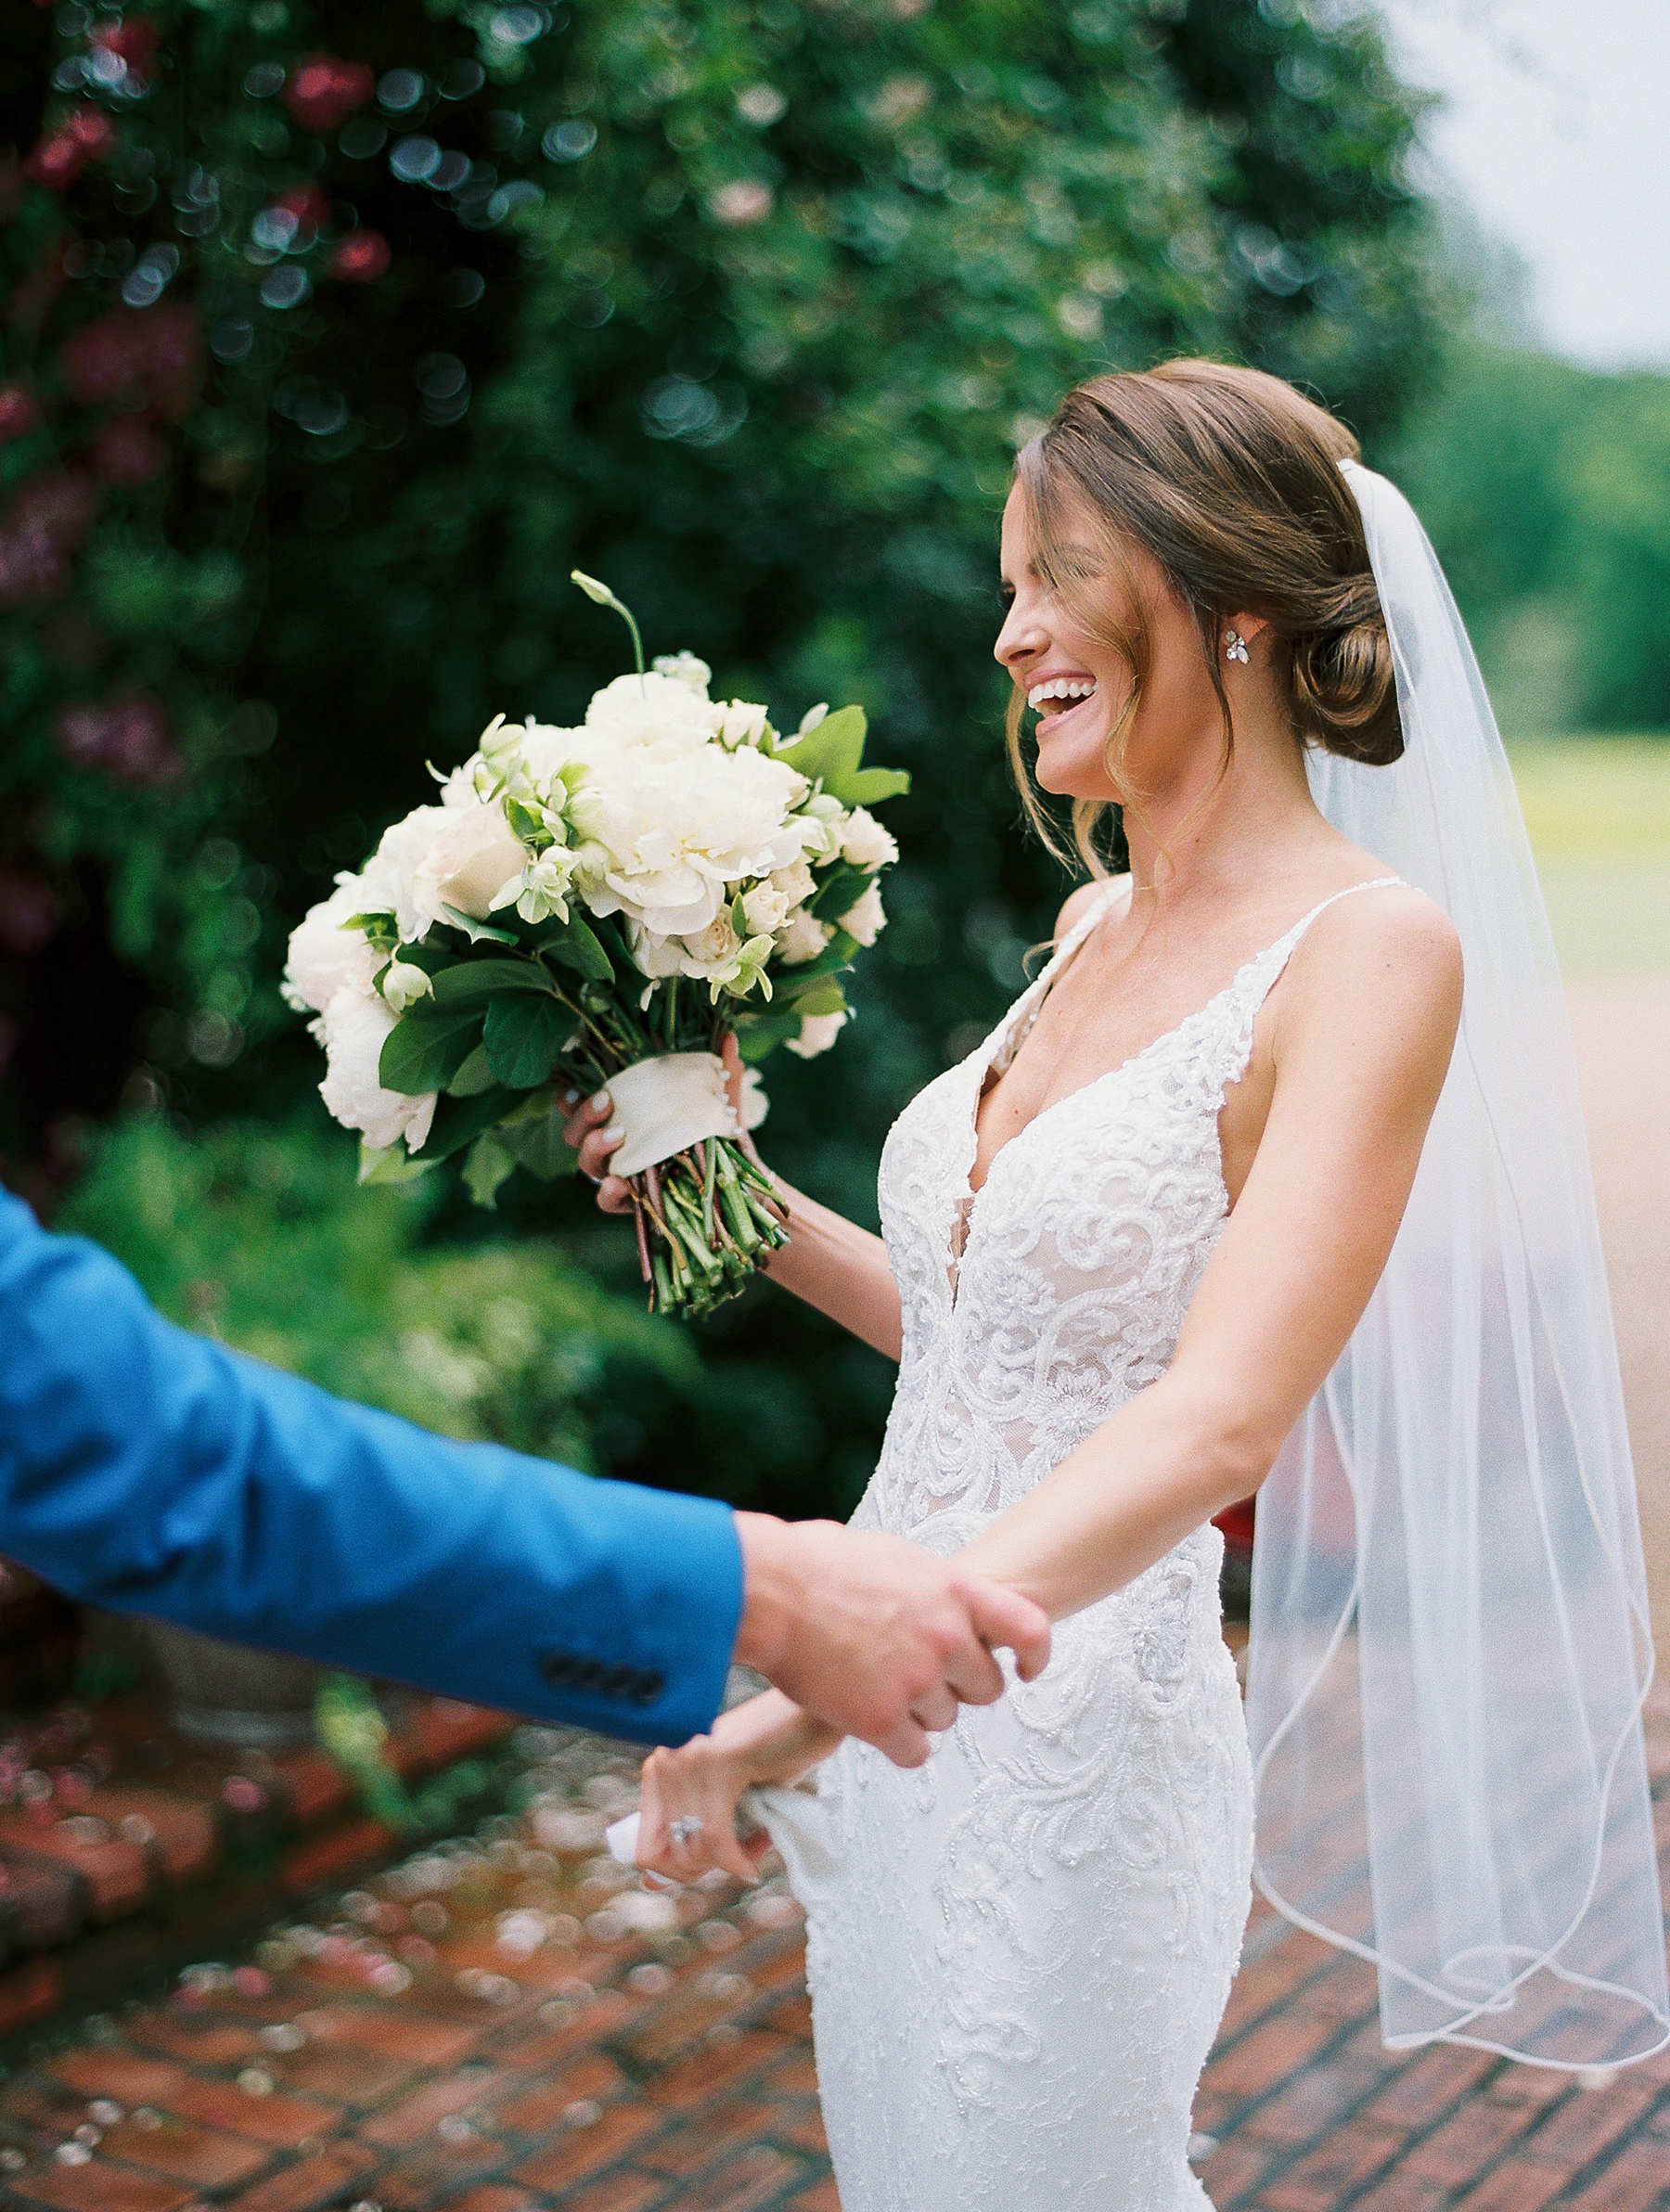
{"x": 1390, "y": 947}
{"x": 1079, "y": 904}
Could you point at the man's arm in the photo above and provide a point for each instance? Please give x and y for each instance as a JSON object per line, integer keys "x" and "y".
{"x": 149, "y": 1470}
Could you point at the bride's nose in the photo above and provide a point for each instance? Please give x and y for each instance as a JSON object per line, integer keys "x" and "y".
{"x": 1023, "y": 638}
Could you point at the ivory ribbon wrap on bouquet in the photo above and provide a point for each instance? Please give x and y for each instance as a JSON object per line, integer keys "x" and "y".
{"x": 667, "y": 1104}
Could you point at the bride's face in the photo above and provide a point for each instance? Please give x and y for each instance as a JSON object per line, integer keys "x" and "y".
{"x": 1079, "y": 685}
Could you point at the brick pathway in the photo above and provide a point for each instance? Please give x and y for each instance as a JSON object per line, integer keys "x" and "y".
{"x": 510, "y": 2022}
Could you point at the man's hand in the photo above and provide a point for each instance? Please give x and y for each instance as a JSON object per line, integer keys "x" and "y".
{"x": 876, "y": 1637}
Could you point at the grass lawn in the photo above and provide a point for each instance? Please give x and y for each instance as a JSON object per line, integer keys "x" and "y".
{"x": 1598, "y": 812}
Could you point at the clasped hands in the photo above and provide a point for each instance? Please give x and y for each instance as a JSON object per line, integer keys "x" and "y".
{"x": 863, "y": 1635}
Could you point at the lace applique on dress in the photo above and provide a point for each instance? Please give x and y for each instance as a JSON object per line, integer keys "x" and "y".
{"x": 1022, "y": 1954}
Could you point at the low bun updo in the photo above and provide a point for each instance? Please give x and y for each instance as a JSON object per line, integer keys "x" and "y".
{"x": 1230, "y": 480}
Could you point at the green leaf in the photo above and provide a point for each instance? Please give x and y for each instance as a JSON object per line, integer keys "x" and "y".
{"x": 575, "y": 944}
{"x": 424, "y": 1051}
{"x": 759, "y": 1034}
{"x": 837, "y": 954}
{"x": 473, "y": 1077}
{"x": 470, "y": 982}
{"x": 825, "y": 997}
{"x": 458, "y": 1120}
{"x": 388, "y": 1165}
{"x": 870, "y": 787}
{"x": 478, "y": 932}
{"x": 537, "y": 1143}
{"x": 841, "y": 888}
{"x": 524, "y": 1036}
{"x": 834, "y": 749}
{"x": 486, "y": 1168}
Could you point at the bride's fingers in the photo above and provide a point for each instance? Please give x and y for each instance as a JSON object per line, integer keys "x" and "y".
{"x": 688, "y": 1821}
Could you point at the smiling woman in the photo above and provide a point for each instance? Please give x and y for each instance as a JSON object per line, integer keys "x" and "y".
{"x": 1139, "y": 526}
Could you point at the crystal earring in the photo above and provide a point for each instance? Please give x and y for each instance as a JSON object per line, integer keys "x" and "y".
{"x": 1234, "y": 646}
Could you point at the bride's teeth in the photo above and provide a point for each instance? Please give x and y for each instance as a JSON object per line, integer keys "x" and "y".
{"x": 1061, "y": 687}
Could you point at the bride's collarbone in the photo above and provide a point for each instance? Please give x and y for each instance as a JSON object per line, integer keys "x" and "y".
{"x": 1096, "y": 1019}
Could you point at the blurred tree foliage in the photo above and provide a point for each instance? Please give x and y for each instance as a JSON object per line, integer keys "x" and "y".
{"x": 326, "y": 367}
{"x": 1546, "y": 488}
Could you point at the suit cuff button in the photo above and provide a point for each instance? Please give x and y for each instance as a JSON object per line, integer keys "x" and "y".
{"x": 647, "y": 1686}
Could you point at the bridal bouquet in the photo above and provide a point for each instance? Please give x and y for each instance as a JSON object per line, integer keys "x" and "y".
{"x": 596, "y": 908}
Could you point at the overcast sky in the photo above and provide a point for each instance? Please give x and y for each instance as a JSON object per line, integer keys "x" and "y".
{"x": 1557, "y": 134}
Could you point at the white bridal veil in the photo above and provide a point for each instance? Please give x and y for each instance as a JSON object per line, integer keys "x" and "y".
{"x": 1450, "y": 1644}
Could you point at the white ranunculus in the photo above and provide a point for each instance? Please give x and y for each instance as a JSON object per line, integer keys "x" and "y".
{"x": 684, "y": 668}
{"x": 389, "y": 874}
{"x": 818, "y": 1032}
{"x": 324, "y": 957}
{"x": 863, "y": 842}
{"x": 403, "y": 984}
{"x": 802, "y": 938}
{"x": 661, "y": 713}
{"x": 739, "y": 721}
{"x": 678, "y": 832}
{"x": 352, "y": 1029}
{"x": 765, "y": 908}
{"x": 864, "y": 920}
{"x": 474, "y": 857}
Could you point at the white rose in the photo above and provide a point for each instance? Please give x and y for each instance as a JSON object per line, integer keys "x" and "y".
{"x": 865, "y": 920}
{"x": 863, "y": 842}
{"x": 475, "y": 857}
{"x": 389, "y": 873}
{"x": 802, "y": 938}
{"x": 739, "y": 721}
{"x": 818, "y": 1032}
{"x": 822, "y": 819}
{"x": 324, "y": 957}
{"x": 796, "y": 882}
{"x": 352, "y": 1029}
{"x": 765, "y": 908}
{"x": 678, "y": 832}
{"x": 684, "y": 668}
{"x": 708, "y": 953}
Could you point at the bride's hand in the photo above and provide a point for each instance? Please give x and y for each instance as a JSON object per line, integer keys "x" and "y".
{"x": 767, "y": 1740}
{"x": 688, "y": 1814}
{"x": 584, "y": 1130}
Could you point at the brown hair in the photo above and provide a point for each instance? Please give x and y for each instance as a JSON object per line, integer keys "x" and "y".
{"x": 1229, "y": 479}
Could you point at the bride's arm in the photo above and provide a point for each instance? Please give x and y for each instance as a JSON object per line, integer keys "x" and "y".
{"x": 1360, "y": 1045}
{"x": 828, "y": 1261}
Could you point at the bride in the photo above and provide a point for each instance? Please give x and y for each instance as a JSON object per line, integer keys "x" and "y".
{"x": 1127, "y": 1244}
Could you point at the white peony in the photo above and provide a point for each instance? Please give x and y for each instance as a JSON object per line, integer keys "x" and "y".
{"x": 818, "y": 1032}
{"x": 474, "y": 858}
{"x": 678, "y": 832}
{"x": 863, "y": 842}
{"x": 765, "y": 909}
{"x": 661, "y": 713}
{"x": 324, "y": 957}
{"x": 864, "y": 920}
{"x": 352, "y": 1029}
{"x": 802, "y": 938}
{"x": 389, "y": 873}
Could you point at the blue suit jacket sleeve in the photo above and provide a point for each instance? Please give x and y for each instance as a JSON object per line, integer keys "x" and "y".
{"x": 149, "y": 1470}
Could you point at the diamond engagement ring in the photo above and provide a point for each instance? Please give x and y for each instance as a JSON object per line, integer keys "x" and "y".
{"x": 686, "y": 1828}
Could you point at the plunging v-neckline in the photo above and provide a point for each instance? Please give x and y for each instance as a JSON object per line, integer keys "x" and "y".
{"x": 963, "y": 1221}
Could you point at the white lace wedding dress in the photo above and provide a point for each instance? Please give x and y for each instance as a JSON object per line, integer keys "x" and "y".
{"x": 1018, "y": 1953}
